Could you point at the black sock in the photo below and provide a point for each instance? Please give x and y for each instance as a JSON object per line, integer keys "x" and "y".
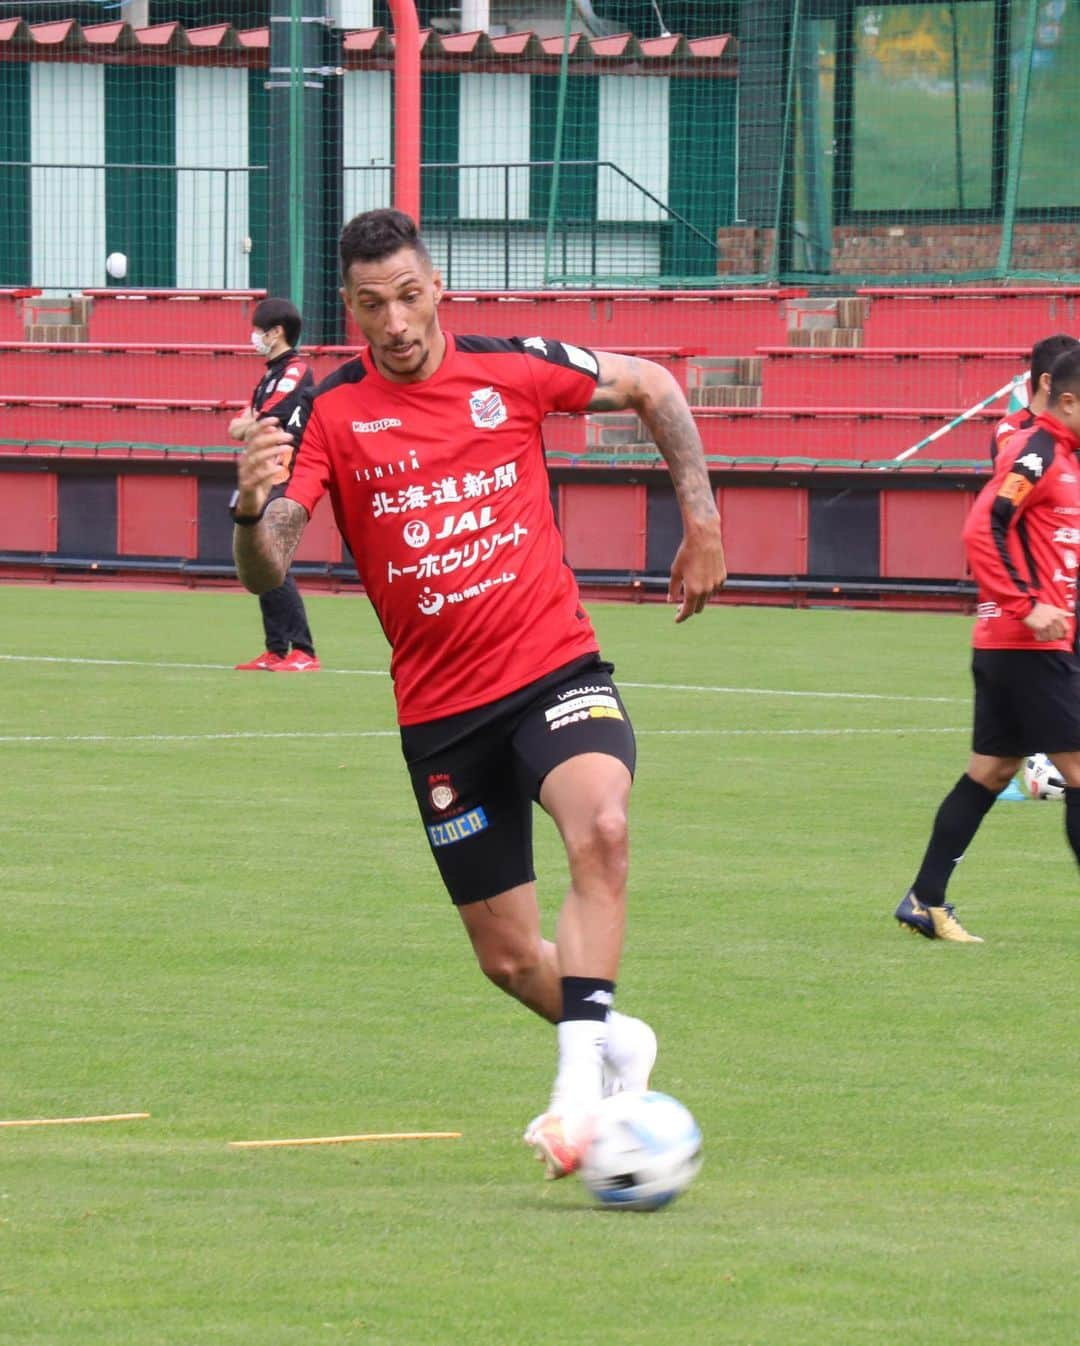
{"x": 957, "y": 821}
{"x": 586, "y": 998}
{"x": 1072, "y": 818}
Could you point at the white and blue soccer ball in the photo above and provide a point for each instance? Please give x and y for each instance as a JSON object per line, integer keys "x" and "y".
{"x": 645, "y": 1150}
{"x": 1042, "y": 778}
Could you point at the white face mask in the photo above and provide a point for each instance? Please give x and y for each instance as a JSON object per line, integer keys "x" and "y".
{"x": 260, "y": 342}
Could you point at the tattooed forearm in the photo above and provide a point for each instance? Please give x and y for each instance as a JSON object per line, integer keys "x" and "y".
{"x": 671, "y": 424}
{"x": 263, "y": 553}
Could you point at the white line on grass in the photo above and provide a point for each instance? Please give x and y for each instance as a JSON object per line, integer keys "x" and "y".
{"x": 641, "y": 686}
{"x": 392, "y": 733}
{"x": 196, "y": 738}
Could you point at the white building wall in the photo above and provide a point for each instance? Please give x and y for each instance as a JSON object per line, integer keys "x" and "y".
{"x": 212, "y": 207}
{"x": 493, "y": 128}
{"x": 67, "y": 222}
{"x": 367, "y": 116}
{"x": 633, "y": 117}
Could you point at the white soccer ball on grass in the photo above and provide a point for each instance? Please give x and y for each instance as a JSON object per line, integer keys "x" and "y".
{"x": 1042, "y": 778}
{"x": 645, "y": 1150}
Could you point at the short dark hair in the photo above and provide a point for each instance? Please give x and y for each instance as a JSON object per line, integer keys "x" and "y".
{"x": 1045, "y": 352}
{"x": 377, "y": 234}
{"x": 1065, "y": 374}
{"x": 278, "y": 313}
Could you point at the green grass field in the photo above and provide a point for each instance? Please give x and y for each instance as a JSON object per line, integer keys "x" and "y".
{"x": 219, "y": 908}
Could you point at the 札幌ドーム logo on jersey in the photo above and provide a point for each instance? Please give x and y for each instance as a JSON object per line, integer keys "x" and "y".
{"x": 487, "y": 408}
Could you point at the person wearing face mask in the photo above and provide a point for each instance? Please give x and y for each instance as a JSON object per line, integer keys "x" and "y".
{"x": 284, "y": 393}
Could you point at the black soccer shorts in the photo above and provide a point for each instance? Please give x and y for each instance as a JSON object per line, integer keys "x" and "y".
{"x": 477, "y": 775}
{"x": 1026, "y": 701}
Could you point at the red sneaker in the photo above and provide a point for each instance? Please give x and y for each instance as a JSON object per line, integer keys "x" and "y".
{"x": 267, "y": 662}
{"x": 298, "y": 661}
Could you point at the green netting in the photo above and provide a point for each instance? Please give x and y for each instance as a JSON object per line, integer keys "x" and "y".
{"x": 676, "y": 143}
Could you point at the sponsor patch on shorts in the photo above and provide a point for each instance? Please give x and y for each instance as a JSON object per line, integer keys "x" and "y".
{"x": 582, "y": 703}
{"x": 595, "y": 706}
{"x": 457, "y": 829}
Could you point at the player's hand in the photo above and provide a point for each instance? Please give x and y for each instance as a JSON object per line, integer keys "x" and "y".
{"x": 1048, "y": 622}
{"x": 240, "y": 425}
{"x": 699, "y": 569}
{"x": 258, "y": 466}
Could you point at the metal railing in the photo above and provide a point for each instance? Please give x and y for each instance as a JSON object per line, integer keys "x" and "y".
{"x": 505, "y": 204}
{"x": 186, "y": 226}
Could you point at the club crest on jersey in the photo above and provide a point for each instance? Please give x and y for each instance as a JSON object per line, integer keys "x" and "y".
{"x": 487, "y": 408}
{"x": 442, "y": 792}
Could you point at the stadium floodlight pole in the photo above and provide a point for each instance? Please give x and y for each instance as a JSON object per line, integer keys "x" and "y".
{"x": 406, "y": 107}
{"x": 1018, "y": 118}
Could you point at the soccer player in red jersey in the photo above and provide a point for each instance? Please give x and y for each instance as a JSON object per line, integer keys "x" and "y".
{"x": 282, "y": 392}
{"x": 429, "y": 446}
{"x": 1043, "y": 355}
{"x": 1023, "y": 545}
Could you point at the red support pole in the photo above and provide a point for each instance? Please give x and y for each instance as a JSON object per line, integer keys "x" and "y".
{"x": 406, "y": 107}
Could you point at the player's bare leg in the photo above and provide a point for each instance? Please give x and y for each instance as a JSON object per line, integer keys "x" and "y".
{"x": 505, "y": 935}
{"x": 588, "y": 797}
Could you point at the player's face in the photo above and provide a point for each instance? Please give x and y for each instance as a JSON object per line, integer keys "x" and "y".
{"x": 396, "y": 306}
{"x": 1067, "y": 411}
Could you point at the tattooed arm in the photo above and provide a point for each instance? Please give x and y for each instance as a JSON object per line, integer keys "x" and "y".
{"x": 625, "y": 383}
{"x": 263, "y": 552}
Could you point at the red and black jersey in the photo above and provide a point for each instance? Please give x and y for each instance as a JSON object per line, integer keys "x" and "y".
{"x": 1021, "y": 419}
{"x": 285, "y": 391}
{"x": 1023, "y": 536}
{"x": 441, "y": 491}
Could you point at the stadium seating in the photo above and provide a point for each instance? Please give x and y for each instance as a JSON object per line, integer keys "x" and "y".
{"x": 12, "y": 319}
{"x": 886, "y": 376}
{"x": 183, "y": 370}
{"x": 170, "y": 315}
{"x": 995, "y": 317}
{"x": 826, "y": 434}
{"x": 108, "y": 421}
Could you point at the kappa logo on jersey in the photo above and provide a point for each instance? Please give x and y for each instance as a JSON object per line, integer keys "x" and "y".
{"x": 536, "y": 344}
{"x": 295, "y": 419}
{"x": 416, "y": 533}
{"x": 583, "y": 359}
{"x": 373, "y": 427}
{"x": 442, "y": 792}
{"x": 487, "y": 408}
{"x": 1032, "y": 462}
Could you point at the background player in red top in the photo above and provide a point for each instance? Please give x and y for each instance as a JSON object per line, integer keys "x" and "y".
{"x": 281, "y": 392}
{"x": 1023, "y": 544}
{"x": 1043, "y": 355}
{"x": 429, "y": 447}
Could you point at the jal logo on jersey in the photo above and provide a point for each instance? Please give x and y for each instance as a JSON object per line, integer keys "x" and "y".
{"x": 487, "y": 408}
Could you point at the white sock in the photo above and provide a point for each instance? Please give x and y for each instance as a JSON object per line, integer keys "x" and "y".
{"x": 631, "y": 1049}
{"x": 579, "y": 1085}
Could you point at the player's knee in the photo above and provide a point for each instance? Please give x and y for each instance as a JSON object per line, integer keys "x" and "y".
{"x": 507, "y": 965}
{"x": 603, "y": 843}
